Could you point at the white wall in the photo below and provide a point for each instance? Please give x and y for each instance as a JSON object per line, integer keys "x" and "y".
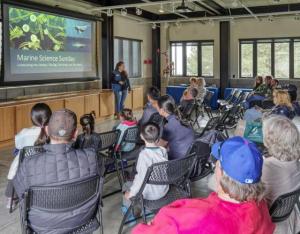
{"x": 129, "y": 28}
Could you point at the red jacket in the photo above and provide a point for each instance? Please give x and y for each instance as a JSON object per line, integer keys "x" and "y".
{"x": 210, "y": 216}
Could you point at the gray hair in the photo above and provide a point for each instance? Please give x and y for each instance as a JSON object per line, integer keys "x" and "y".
{"x": 242, "y": 192}
{"x": 281, "y": 138}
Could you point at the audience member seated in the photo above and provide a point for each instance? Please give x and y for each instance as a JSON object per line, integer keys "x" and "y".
{"x": 177, "y": 136}
{"x": 152, "y": 153}
{"x": 59, "y": 164}
{"x": 150, "y": 108}
{"x": 292, "y": 89}
{"x": 238, "y": 205}
{"x": 281, "y": 168}
{"x": 275, "y": 84}
{"x": 261, "y": 93}
{"x": 283, "y": 106}
{"x": 127, "y": 121}
{"x": 201, "y": 89}
{"x": 258, "y": 82}
{"x": 35, "y": 135}
{"x": 88, "y": 139}
{"x": 187, "y": 101}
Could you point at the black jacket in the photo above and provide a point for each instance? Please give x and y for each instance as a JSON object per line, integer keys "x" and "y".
{"x": 59, "y": 164}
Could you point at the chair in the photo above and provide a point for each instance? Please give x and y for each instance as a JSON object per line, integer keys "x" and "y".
{"x": 283, "y": 206}
{"x": 57, "y": 199}
{"x": 131, "y": 135}
{"x": 207, "y": 101}
{"x": 107, "y": 151}
{"x": 175, "y": 173}
{"x": 24, "y": 153}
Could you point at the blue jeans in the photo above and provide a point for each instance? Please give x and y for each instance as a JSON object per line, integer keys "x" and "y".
{"x": 120, "y": 97}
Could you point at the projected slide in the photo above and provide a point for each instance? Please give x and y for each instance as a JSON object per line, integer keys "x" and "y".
{"x": 47, "y": 46}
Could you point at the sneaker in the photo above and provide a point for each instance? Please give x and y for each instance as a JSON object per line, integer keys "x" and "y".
{"x": 131, "y": 219}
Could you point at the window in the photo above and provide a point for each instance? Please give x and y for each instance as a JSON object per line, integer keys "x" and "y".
{"x": 129, "y": 51}
{"x": 297, "y": 59}
{"x": 279, "y": 57}
{"x": 247, "y": 61}
{"x": 192, "y": 58}
{"x": 264, "y": 59}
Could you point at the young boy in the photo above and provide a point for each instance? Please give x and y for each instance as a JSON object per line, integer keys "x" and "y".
{"x": 152, "y": 153}
{"x": 150, "y": 108}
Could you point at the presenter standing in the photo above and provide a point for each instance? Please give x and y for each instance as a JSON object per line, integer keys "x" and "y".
{"x": 120, "y": 86}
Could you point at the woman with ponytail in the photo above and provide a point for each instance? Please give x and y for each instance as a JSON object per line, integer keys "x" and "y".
{"x": 35, "y": 135}
{"x": 177, "y": 135}
{"x": 88, "y": 138}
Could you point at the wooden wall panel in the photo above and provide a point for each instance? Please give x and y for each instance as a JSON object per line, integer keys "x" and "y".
{"x": 56, "y": 104}
{"x": 75, "y": 104}
{"x": 23, "y": 118}
{"x": 128, "y": 101}
{"x": 107, "y": 103}
{"x": 7, "y": 123}
{"x": 137, "y": 98}
{"x": 91, "y": 103}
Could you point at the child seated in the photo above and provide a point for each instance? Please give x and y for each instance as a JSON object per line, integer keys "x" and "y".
{"x": 127, "y": 121}
{"x": 152, "y": 153}
{"x": 88, "y": 139}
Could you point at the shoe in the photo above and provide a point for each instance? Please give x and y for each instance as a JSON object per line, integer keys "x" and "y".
{"x": 131, "y": 218}
{"x": 14, "y": 203}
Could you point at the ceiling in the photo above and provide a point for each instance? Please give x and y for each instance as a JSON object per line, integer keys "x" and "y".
{"x": 165, "y": 10}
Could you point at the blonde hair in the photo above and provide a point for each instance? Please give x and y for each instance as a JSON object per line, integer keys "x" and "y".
{"x": 281, "y": 138}
{"x": 193, "y": 79}
{"x": 201, "y": 82}
{"x": 242, "y": 192}
{"x": 282, "y": 98}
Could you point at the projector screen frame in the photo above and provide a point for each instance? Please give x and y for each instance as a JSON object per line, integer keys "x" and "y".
{"x": 50, "y": 10}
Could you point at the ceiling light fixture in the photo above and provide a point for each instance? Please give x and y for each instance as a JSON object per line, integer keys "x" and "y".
{"x": 235, "y": 3}
{"x": 109, "y": 13}
{"x": 124, "y": 12}
{"x": 154, "y": 26}
{"x": 138, "y": 11}
{"x": 270, "y": 18}
{"x": 183, "y": 8}
{"x": 161, "y": 9}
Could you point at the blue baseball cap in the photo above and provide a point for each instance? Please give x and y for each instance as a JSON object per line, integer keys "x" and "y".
{"x": 240, "y": 159}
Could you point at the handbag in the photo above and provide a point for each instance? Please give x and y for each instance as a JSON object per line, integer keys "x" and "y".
{"x": 253, "y": 131}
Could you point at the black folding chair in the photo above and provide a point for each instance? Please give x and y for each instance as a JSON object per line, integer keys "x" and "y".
{"x": 283, "y": 206}
{"x": 131, "y": 135}
{"x": 206, "y": 103}
{"x": 65, "y": 198}
{"x": 107, "y": 151}
{"x": 175, "y": 173}
{"x": 24, "y": 153}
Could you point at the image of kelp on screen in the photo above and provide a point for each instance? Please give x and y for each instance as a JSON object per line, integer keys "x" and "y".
{"x": 36, "y": 31}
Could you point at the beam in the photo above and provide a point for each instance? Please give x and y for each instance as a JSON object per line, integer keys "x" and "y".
{"x": 224, "y": 55}
{"x": 156, "y": 78}
{"x": 249, "y": 10}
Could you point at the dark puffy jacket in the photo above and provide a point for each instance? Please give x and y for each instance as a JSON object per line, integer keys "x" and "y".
{"x": 84, "y": 141}
{"x": 284, "y": 110}
{"x": 59, "y": 164}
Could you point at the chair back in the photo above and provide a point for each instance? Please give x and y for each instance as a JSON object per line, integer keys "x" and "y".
{"x": 66, "y": 198}
{"x": 131, "y": 135}
{"x": 109, "y": 139}
{"x": 208, "y": 97}
{"x": 283, "y": 206}
{"x": 173, "y": 172}
{"x": 29, "y": 151}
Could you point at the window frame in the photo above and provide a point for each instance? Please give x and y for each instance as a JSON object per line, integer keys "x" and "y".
{"x": 199, "y": 56}
{"x": 272, "y": 41}
{"x": 130, "y": 55}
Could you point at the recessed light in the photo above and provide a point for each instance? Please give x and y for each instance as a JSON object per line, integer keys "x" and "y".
{"x": 138, "y": 11}
{"x": 124, "y": 12}
{"x": 161, "y": 9}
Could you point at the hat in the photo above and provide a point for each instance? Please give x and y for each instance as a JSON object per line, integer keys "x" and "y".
{"x": 240, "y": 159}
{"x": 62, "y": 123}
